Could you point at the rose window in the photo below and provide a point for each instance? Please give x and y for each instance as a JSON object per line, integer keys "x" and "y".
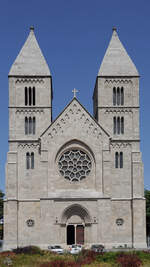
{"x": 74, "y": 165}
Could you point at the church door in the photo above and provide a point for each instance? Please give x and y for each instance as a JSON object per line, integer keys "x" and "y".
{"x": 70, "y": 234}
{"x": 80, "y": 234}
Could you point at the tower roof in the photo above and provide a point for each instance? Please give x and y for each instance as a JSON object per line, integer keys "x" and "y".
{"x": 30, "y": 61}
{"x": 116, "y": 61}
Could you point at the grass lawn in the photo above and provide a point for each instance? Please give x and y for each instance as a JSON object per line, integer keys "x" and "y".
{"x": 35, "y": 257}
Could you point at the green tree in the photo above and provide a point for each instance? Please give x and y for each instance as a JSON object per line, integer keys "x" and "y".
{"x": 147, "y": 196}
{"x": 1, "y": 213}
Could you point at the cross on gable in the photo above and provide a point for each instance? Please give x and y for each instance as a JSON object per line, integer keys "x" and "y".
{"x": 74, "y": 92}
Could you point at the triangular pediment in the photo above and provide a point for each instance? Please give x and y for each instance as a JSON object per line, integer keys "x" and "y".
{"x": 75, "y": 116}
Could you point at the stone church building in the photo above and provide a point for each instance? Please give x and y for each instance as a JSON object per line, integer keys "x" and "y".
{"x": 78, "y": 178}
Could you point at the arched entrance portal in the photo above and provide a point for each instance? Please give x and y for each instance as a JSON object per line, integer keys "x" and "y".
{"x": 75, "y": 217}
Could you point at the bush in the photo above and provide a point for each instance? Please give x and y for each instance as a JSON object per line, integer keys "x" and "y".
{"x": 86, "y": 257}
{"x": 129, "y": 260}
{"x": 60, "y": 263}
{"x": 109, "y": 257}
{"x": 30, "y": 250}
{"x": 7, "y": 254}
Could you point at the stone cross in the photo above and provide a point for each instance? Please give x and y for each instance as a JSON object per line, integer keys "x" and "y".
{"x": 74, "y": 92}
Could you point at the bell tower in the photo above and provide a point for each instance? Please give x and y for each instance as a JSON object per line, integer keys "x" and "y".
{"x": 30, "y": 93}
{"x": 116, "y": 108}
{"x": 30, "y": 113}
{"x": 116, "y": 93}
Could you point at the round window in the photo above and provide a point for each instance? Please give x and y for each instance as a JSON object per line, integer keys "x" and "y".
{"x": 30, "y": 222}
{"x": 74, "y": 165}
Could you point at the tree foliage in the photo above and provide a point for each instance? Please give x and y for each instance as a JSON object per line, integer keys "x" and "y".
{"x": 1, "y": 204}
{"x": 147, "y": 196}
{"x": 1, "y": 213}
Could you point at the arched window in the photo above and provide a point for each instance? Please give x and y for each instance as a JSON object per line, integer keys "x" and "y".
{"x": 26, "y": 125}
{"x": 121, "y": 159}
{"x": 122, "y": 96}
{"x": 26, "y": 96}
{"x": 116, "y": 159}
{"x": 118, "y": 96}
{"x": 33, "y": 125}
{"x": 122, "y": 125}
{"x": 118, "y": 125}
{"x": 115, "y": 124}
{"x": 30, "y": 96}
{"x": 114, "y": 96}
{"x": 27, "y": 160}
{"x": 33, "y": 89}
{"x": 30, "y": 125}
{"x": 32, "y": 160}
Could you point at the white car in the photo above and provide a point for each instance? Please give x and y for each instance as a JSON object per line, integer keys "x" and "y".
{"x": 75, "y": 249}
{"x": 56, "y": 249}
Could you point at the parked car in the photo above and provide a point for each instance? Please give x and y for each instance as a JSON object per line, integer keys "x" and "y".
{"x": 75, "y": 249}
{"x": 97, "y": 247}
{"x": 56, "y": 249}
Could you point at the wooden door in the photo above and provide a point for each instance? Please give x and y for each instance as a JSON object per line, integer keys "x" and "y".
{"x": 80, "y": 234}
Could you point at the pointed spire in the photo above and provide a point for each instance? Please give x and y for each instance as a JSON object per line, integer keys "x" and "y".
{"x": 116, "y": 61}
{"x": 30, "y": 61}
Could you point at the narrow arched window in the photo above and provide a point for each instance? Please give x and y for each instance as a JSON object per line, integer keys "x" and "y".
{"x": 30, "y": 96}
{"x": 26, "y": 95}
{"x": 26, "y": 125}
{"x": 122, "y": 125}
{"x": 118, "y": 96}
{"x": 115, "y": 124}
{"x": 122, "y": 96}
{"x": 27, "y": 160}
{"x": 118, "y": 125}
{"x": 121, "y": 159}
{"x": 33, "y": 96}
{"x": 30, "y": 125}
{"x": 114, "y": 96}
{"x": 32, "y": 160}
{"x": 116, "y": 160}
{"x": 33, "y": 125}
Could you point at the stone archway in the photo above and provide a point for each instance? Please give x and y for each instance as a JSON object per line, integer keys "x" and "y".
{"x": 75, "y": 217}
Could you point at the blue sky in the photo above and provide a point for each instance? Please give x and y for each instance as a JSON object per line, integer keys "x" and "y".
{"x": 73, "y": 36}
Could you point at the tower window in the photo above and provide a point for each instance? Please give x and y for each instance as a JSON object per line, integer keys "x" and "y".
{"x": 26, "y": 96}
{"x": 122, "y": 125}
{"x": 29, "y": 160}
{"x": 32, "y": 160}
{"x": 118, "y": 96}
{"x": 116, "y": 159}
{"x": 115, "y": 125}
{"x": 26, "y": 125}
{"x": 33, "y": 91}
{"x": 119, "y": 160}
{"x": 114, "y": 96}
{"x": 122, "y": 96}
{"x": 30, "y": 125}
{"x": 118, "y": 125}
{"x": 30, "y": 99}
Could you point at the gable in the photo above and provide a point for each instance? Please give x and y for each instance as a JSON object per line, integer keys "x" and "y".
{"x": 75, "y": 116}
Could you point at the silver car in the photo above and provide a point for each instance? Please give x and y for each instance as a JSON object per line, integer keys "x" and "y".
{"x": 56, "y": 249}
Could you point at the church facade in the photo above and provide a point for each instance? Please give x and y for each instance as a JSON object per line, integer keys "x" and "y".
{"x": 77, "y": 179}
